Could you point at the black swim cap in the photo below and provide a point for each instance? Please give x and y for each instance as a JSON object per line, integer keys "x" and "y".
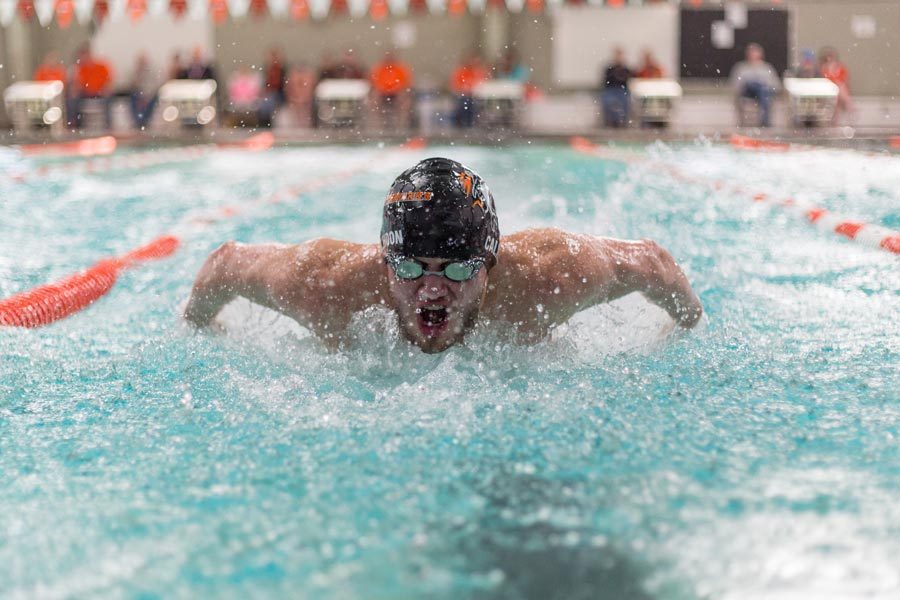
{"x": 441, "y": 209}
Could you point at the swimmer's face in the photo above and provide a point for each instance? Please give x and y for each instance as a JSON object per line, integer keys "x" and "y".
{"x": 435, "y": 312}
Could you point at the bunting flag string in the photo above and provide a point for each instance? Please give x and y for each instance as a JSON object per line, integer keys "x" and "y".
{"x": 65, "y": 12}
{"x": 219, "y": 11}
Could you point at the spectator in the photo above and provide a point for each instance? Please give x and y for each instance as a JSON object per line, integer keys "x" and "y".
{"x": 273, "y": 94}
{"x": 807, "y": 67}
{"x": 348, "y": 67}
{"x": 615, "y": 98}
{"x": 391, "y": 88}
{"x": 51, "y": 69}
{"x": 91, "y": 81}
{"x": 176, "y": 68}
{"x": 299, "y": 91}
{"x": 197, "y": 68}
{"x": 835, "y": 71}
{"x": 144, "y": 91}
{"x": 651, "y": 69}
{"x": 463, "y": 81}
{"x": 244, "y": 93}
{"x": 755, "y": 79}
{"x": 509, "y": 67}
{"x": 328, "y": 66}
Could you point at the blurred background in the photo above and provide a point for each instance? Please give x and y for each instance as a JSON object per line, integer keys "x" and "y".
{"x": 438, "y": 66}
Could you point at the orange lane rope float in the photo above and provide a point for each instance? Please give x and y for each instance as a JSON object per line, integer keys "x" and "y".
{"x": 873, "y": 236}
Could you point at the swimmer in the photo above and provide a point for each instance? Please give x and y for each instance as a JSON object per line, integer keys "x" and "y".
{"x": 443, "y": 268}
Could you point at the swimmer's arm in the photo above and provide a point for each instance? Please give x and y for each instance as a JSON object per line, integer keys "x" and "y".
{"x": 646, "y": 267}
{"x": 254, "y": 272}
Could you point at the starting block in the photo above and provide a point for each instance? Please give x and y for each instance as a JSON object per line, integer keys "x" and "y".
{"x": 36, "y": 105}
{"x": 340, "y": 102}
{"x": 812, "y": 100}
{"x": 498, "y": 103}
{"x": 188, "y": 102}
{"x": 654, "y": 100}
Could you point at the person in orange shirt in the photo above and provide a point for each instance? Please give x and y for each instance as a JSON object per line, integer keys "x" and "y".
{"x": 463, "y": 81}
{"x": 92, "y": 80}
{"x": 392, "y": 89}
{"x": 650, "y": 69}
{"x": 51, "y": 69}
{"x": 834, "y": 70}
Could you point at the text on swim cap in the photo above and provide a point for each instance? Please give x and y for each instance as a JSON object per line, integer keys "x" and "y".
{"x": 392, "y": 238}
{"x": 408, "y": 196}
{"x": 491, "y": 245}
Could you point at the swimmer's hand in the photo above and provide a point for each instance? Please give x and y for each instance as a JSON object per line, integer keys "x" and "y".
{"x": 212, "y": 288}
{"x": 651, "y": 270}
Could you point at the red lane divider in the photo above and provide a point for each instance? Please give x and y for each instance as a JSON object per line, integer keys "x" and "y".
{"x": 54, "y": 301}
{"x": 867, "y": 234}
{"x": 89, "y": 147}
{"x": 742, "y": 141}
{"x": 51, "y": 302}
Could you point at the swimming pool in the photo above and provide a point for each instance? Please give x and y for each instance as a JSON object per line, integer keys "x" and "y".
{"x": 755, "y": 458}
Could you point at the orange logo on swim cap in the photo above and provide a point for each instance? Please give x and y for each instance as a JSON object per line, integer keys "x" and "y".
{"x": 466, "y": 181}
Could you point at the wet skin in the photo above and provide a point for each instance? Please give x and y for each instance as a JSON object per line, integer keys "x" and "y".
{"x": 542, "y": 278}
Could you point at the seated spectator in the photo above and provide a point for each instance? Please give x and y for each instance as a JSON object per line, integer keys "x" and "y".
{"x": 348, "y": 67}
{"x": 176, "y": 67}
{"x": 51, "y": 69}
{"x": 273, "y": 94}
{"x": 755, "y": 79}
{"x": 197, "y": 68}
{"x": 807, "y": 67}
{"x": 91, "y": 80}
{"x": 463, "y": 81}
{"x": 299, "y": 91}
{"x": 244, "y": 93}
{"x": 144, "y": 91}
{"x": 651, "y": 69}
{"x": 510, "y": 68}
{"x": 835, "y": 71}
{"x": 615, "y": 97}
{"x": 392, "y": 90}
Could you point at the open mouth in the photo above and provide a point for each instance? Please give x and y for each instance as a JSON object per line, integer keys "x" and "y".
{"x": 432, "y": 319}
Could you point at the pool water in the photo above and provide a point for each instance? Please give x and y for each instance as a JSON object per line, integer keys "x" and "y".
{"x": 756, "y": 457}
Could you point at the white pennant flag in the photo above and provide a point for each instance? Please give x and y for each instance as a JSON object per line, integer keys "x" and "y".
{"x": 157, "y": 8}
{"x": 476, "y": 7}
{"x": 398, "y": 8}
{"x": 318, "y": 9}
{"x": 198, "y": 9}
{"x": 116, "y": 10}
{"x": 7, "y": 11}
{"x": 44, "y": 10}
{"x": 358, "y": 8}
{"x": 278, "y": 8}
{"x": 84, "y": 11}
{"x": 238, "y": 8}
{"x": 515, "y": 6}
{"x": 437, "y": 7}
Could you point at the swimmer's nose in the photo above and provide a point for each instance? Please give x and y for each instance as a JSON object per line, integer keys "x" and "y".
{"x": 433, "y": 287}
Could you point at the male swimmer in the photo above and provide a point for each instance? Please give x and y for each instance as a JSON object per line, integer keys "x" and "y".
{"x": 442, "y": 267}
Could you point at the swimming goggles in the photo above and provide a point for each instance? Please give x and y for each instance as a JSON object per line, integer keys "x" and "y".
{"x": 410, "y": 268}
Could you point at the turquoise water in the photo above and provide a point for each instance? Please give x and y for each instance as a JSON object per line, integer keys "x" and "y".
{"x": 755, "y": 458}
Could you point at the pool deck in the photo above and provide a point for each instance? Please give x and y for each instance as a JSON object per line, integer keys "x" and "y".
{"x": 876, "y": 120}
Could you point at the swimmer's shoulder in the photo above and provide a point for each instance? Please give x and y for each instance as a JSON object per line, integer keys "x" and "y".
{"x": 338, "y": 270}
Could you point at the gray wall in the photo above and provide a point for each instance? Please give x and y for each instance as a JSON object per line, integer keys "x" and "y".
{"x": 873, "y": 64}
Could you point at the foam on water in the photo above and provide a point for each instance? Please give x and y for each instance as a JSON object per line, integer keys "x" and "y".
{"x": 754, "y": 458}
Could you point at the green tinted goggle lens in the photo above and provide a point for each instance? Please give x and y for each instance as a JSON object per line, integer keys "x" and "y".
{"x": 456, "y": 271}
